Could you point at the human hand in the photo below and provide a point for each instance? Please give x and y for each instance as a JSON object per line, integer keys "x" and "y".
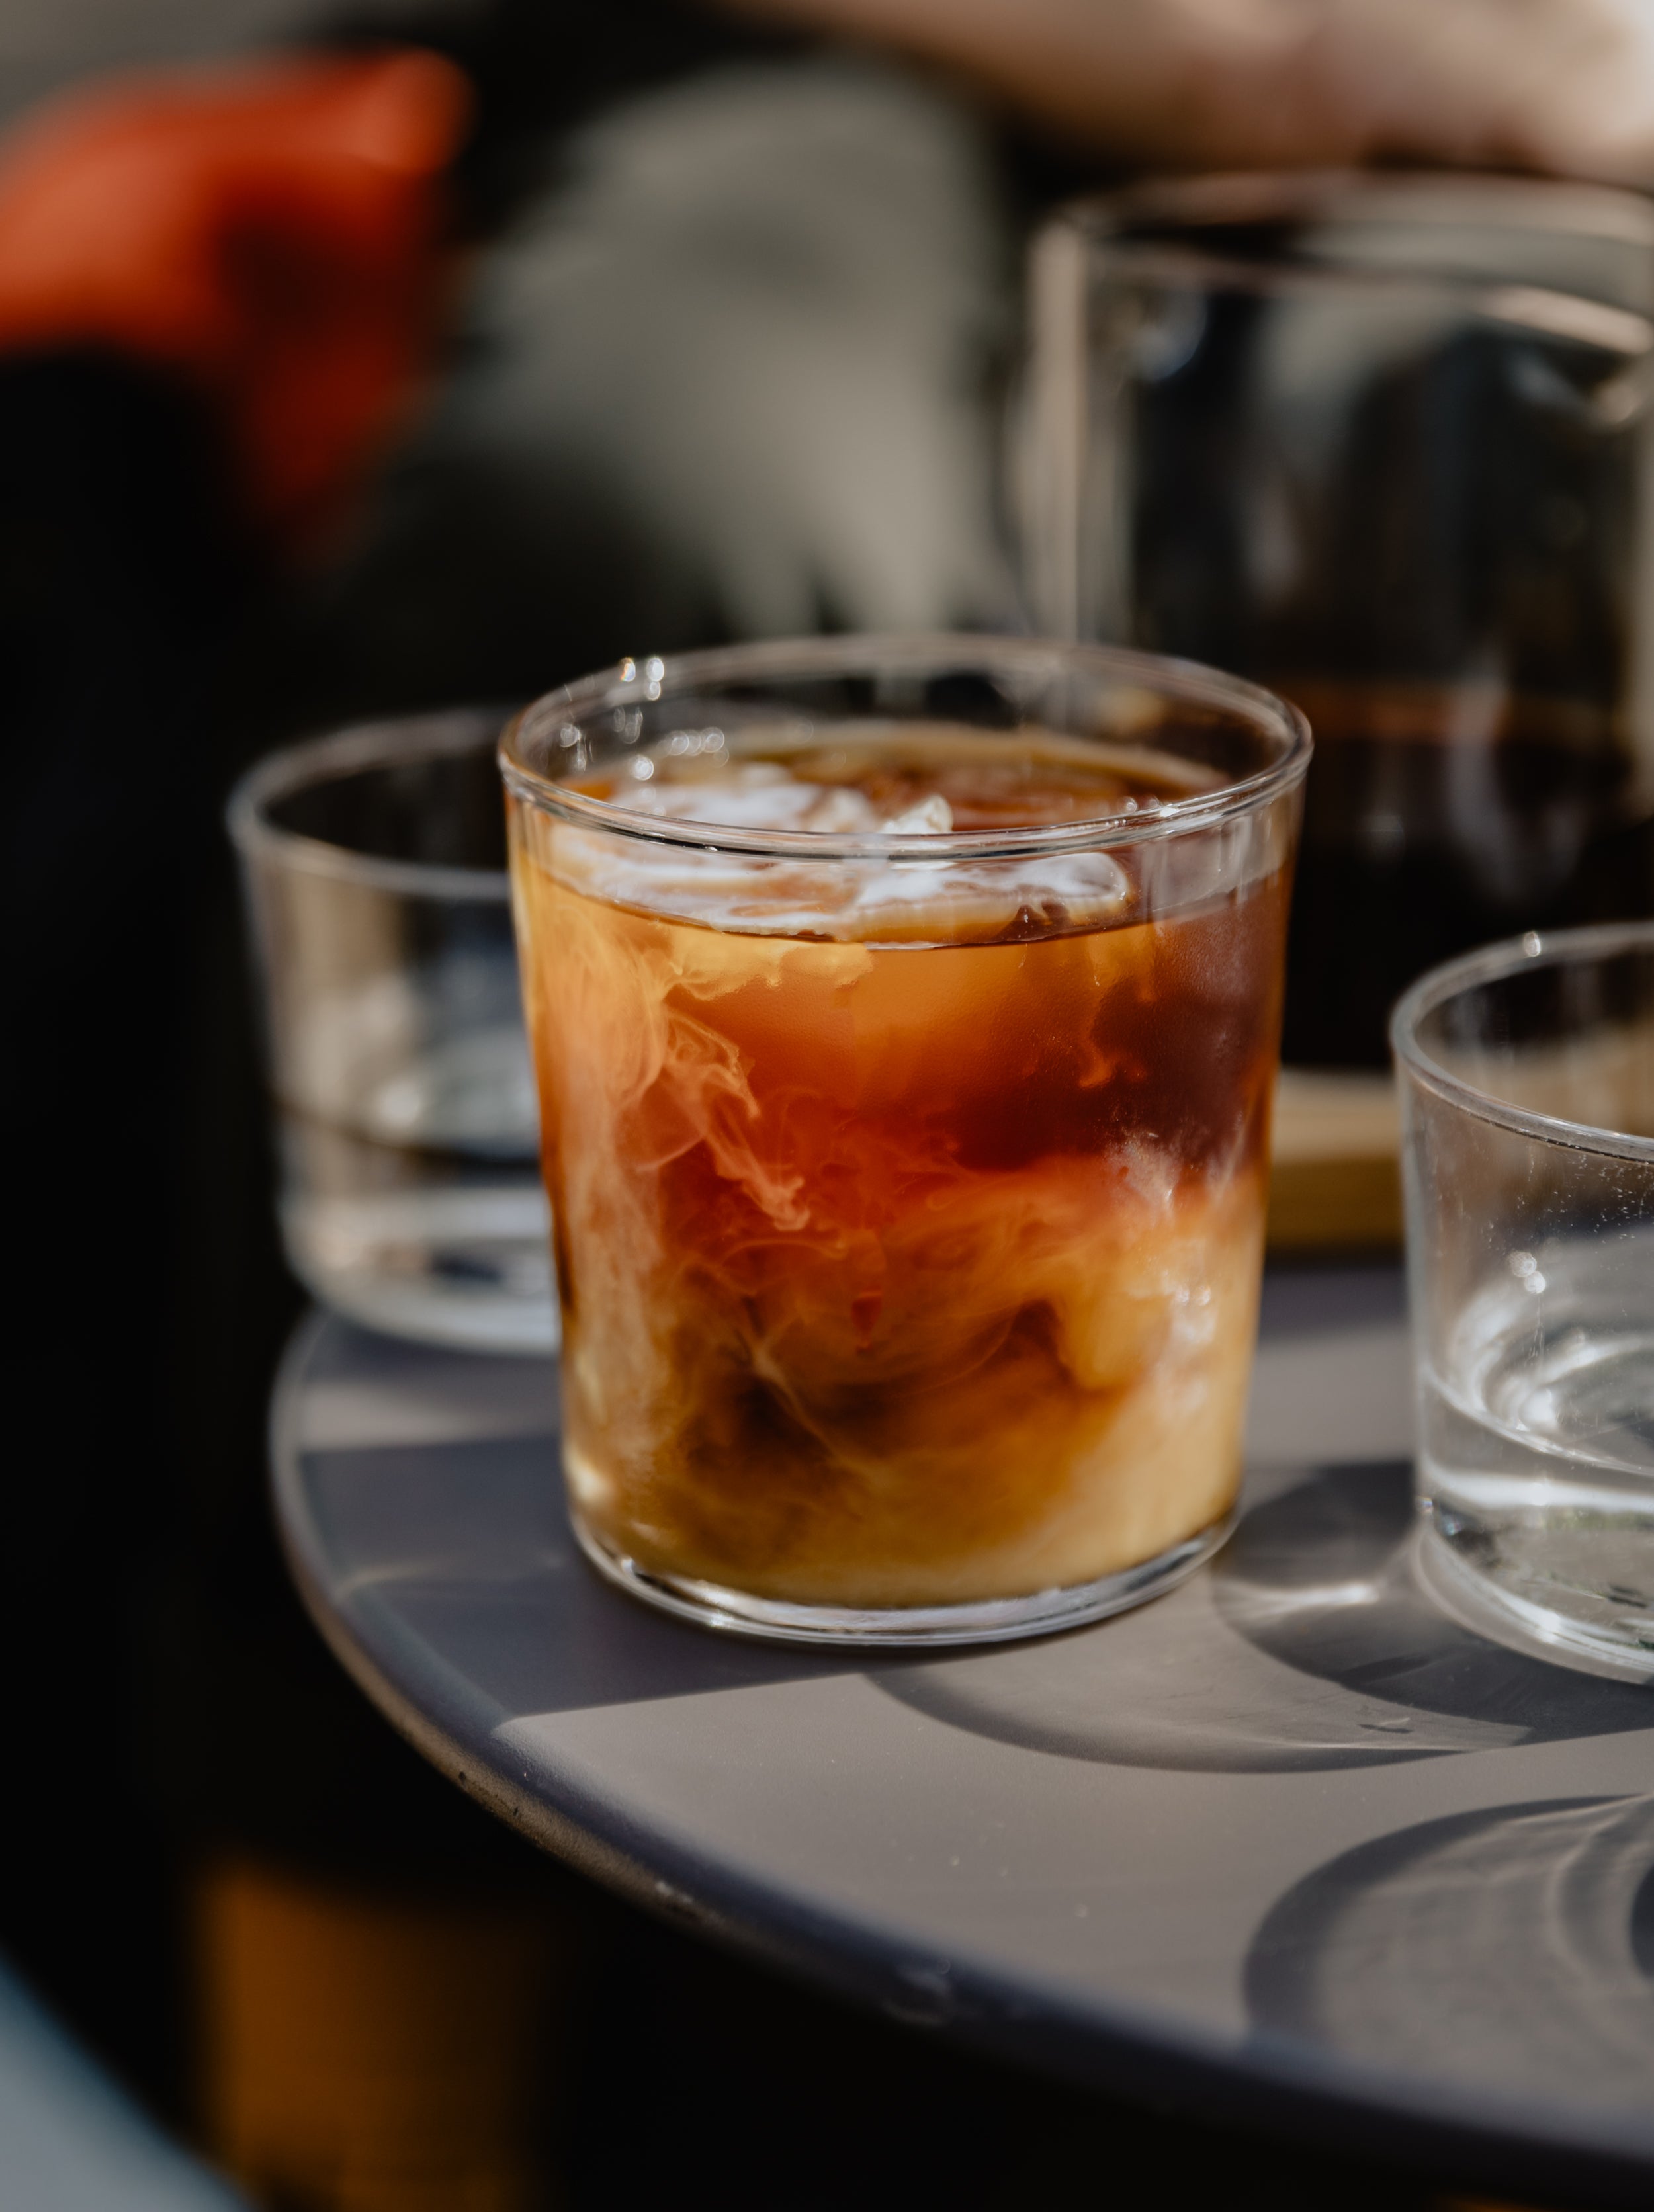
{"x": 1565, "y": 86}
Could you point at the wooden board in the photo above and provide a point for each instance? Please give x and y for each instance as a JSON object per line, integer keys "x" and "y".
{"x": 1334, "y": 1181}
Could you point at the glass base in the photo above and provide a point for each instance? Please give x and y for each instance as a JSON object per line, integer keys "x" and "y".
{"x": 1526, "y": 1598}
{"x": 902, "y": 1628}
{"x": 468, "y": 1266}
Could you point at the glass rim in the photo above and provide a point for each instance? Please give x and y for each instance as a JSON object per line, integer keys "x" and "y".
{"x": 1621, "y": 215}
{"x": 655, "y": 678}
{"x": 1103, "y": 220}
{"x": 387, "y": 743}
{"x": 1494, "y": 964}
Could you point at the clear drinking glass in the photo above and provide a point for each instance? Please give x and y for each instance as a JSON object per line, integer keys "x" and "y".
{"x": 905, "y": 1014}
{"x": 374, "y": 864}
{"x": 1528, "y": 1106}
{"x": 1382, "y": 443}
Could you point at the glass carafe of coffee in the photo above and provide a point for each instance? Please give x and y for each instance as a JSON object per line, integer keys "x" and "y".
{"x": 1382, "y": 443}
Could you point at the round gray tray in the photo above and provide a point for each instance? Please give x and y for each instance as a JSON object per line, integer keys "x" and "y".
{"x": 1285, "y": 1844}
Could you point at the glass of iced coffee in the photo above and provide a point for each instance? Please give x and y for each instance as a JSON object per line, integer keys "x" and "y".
{"x": 905, "y": 1014}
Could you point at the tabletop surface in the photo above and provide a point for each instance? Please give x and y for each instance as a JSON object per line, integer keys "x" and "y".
{"x": 1285, "y": 1842}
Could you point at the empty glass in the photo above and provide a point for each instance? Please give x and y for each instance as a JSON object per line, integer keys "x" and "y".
{"x": 1528, "y": 1107}
{"x": 374, "y": 866}
{"x": 1382, "y": 443}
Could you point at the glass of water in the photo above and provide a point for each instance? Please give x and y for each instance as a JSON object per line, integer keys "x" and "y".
{"x": 373, "y": 863}
{"x": 1528, "y": 1098}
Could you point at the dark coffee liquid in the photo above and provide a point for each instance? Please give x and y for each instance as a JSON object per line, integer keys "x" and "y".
{"x": 1437, "y": 818}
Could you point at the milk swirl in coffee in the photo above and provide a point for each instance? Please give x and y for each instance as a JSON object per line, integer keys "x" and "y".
{"x": 909, "y": 1208}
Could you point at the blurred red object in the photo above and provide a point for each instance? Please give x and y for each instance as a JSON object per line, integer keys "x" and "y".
{"x": 274, "y": 232}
